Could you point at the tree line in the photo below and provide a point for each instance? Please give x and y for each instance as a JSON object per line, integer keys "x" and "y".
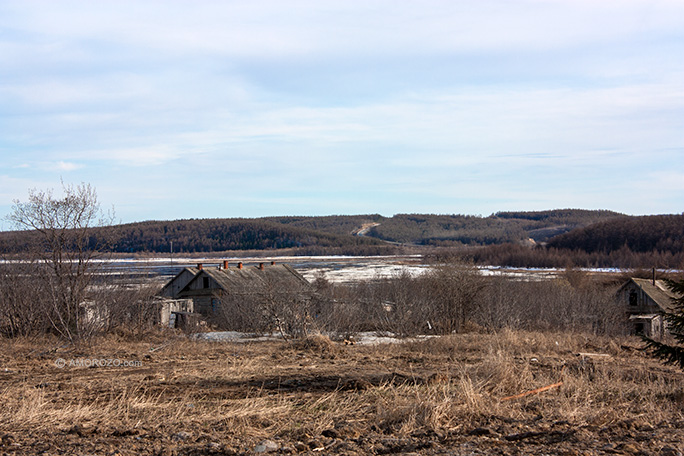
{"x": 210, "y": 235}
{"x": 567, "y": 236}
{"x": 335, "y": 233}
{"x": 520, "y": 256}
{"x": 659, "y": 233}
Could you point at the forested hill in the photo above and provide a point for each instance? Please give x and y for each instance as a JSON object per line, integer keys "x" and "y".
{"x": 337, "y": 234}
{"x": 498, "y": 228}
{"x": 213, "y": 235}
{"x": 660, "y": 233}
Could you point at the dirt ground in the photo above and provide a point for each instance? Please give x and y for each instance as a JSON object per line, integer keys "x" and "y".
{"x": 169, "y": 395}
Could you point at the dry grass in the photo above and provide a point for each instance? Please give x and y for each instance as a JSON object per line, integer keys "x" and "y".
{"x": 234, "y": 395}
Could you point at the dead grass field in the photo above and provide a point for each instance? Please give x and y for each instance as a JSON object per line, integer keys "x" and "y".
{"x": 439, "y": 396}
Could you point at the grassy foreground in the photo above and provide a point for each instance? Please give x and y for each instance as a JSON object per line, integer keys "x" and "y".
{"x": 438, "y": 396}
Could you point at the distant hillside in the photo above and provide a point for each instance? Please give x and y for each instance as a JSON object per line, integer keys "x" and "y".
{"x": 621, "y": 242}
{"x": 660, "y": 233}
{"x": 334, "y": 234}
{"x": 210, "y": 235}
{"x": 214, "y": 235}
{"x": 334, "y": 224}
{"x": 502, "y": 227}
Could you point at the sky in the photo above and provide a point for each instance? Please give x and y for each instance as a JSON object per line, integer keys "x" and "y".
{"x": 212, "y": 109}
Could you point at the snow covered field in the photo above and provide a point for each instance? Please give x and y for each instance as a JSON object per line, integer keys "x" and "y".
{"x": 336, "y": 269}
{"x": 363, "y": 338}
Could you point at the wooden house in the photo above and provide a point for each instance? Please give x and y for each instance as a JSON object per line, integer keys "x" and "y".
{"x": 207, "y": 286}
{"x": 644, "y": 301}
{"x": 173, "y": 288}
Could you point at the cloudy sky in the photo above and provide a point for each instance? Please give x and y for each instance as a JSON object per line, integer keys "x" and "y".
{"x": 179, "y": 109}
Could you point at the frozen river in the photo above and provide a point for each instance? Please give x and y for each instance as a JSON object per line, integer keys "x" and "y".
{"x": 337, "y": 269}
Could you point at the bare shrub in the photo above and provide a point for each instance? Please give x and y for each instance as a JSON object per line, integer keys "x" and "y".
{"x": 133, "y": 309}
{"x": 550, "y": 305}
{"x": 397, "y": 305}
{"x": 440, "y": 301}
{"x": 453, "y": 291}
{"x": 283, "y": 306}
{"x": 240, "y": 312}
{"x": 457, "y": 298}
{"x": 342, "y": 310}
{"x": 22, "y": 307}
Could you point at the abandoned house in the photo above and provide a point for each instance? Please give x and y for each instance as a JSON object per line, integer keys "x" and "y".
{"x": 172, "y": 306}
{"x": 206, "y": 286}
{"x": 644, "y": 301}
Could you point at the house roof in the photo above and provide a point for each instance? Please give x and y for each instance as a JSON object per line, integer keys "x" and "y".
{"x": 251, "y": 278}
{"x": 657, "y": 291}
{"x": 180, "y": 280}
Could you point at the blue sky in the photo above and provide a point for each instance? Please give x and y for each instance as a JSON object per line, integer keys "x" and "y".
{"x": 179, "y": 109}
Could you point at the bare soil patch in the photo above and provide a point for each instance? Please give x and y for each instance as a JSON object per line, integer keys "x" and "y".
{"x": 438, "y": 396}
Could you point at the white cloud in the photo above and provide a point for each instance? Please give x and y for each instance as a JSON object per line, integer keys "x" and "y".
{"x": 307, "y": 94}
{"x": 270, "y": 28}
{"x": 67, "y": 166}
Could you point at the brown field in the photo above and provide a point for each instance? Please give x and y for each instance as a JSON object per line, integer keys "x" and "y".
{"x": 439, "y": 396}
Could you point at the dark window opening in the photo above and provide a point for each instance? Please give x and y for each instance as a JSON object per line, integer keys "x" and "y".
{"x": 633, "y": 298}
{"x": 205, "y": 282}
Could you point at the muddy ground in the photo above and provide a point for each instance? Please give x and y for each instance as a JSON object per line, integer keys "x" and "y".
{"x": 173, "y": 396}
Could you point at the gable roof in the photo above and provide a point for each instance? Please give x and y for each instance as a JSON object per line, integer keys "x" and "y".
{"x": 656, "y": 290}
{"x": 179, "y": 282}
{"x": 250, "y": 278}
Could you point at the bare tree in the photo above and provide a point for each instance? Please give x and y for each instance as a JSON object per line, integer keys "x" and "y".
{"x": 288, "y": 307}
{"x": 454, "y": 290}
{"x": 64, "y": 252}
{"x": 342, "y": 310}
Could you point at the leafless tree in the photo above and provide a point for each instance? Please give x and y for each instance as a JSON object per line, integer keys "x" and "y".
{"x": 341, "y": 309}
{"x": 239, "y": 312}
{"x": 64, "y": 253}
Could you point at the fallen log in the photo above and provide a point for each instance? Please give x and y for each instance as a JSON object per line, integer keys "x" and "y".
{"x": 534, "y": 391}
